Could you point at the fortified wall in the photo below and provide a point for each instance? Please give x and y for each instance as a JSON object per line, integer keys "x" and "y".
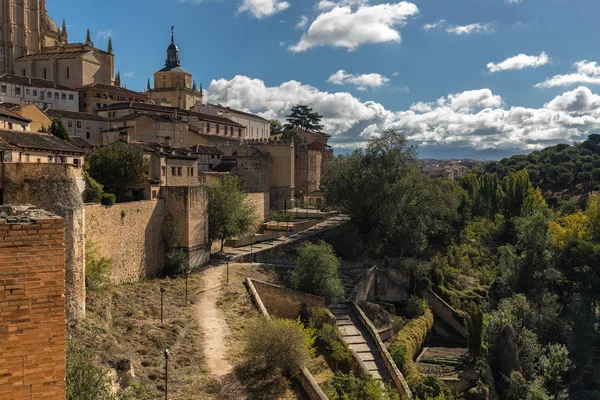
{"x": 55, "y": 188}
{"x": 32, "y": 301}
{"x": 308, "y": 171}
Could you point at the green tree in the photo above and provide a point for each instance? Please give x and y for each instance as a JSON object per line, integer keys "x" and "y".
{"x": 518, "y": 194}
{"x": 303, "y": 117}
{"x": 316, "y": 271}
{"x": 475, "y": 329}
{"x": 57, "y": 128}
{"x": 118, "y": 167}
{"x": 276, "y": 126}
{"x": 84, "y": 379}
{"x": 229, "y": 212}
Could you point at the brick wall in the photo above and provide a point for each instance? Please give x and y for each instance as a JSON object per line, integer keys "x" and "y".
{"x": 32, "y": 305}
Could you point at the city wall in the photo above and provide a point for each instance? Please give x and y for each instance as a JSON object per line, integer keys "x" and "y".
{"x": 129, "y": 234}
{"x": 32, "y": 305}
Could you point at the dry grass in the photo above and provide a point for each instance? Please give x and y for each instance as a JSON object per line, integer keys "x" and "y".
{"x": 123, "y": 322}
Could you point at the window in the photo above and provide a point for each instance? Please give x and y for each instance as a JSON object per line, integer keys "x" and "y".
{"x": 87, "y": 124}
{"x": 79, "y": 124}
{"x": 173, "y": 171}
{"x": 18, "y": 91}
{"x": 68, "y": 73}
{"x": 50, "y": 159}
{"x": 24, "y": 73}
{"x": 192, "y": 171}
{"x": 179, "y": 170}
{"x": 70, "y": 124}
{"x": 45, "y": 105}
{"x": 10, "y": 125}
{"x": 41, "y": 94}
{"x": 154, "y": 194}
{"x": 208, "y": 127}
{"x": 217, "y": 128}
{"x": 84, "y": 105}
{"x": 180, "y": 128}
{"x": 76, "y": 162}
{"x": 49, "y": 95}
{"x": 163, "y": 170}
{"x": 87, "y": 135}
{"x": 35, "y": 92}
{"x": 240, "y": 131}
{"x": 71, "y": 97}
{"x": 26, "y": 157}
{"x": 180, "y": 140}
{"x": 56, "y": 95}
{"x": 3, "y": 89}
{"x": 63, "y": 96}
{"x": 26, "y": 91}
{"x": 45, "y": 74}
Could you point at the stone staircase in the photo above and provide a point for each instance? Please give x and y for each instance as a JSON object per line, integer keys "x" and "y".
{"x": 353, "y": 331}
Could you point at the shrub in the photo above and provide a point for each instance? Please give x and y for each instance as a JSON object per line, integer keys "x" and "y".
{"x": 278, "y": 345}
{"x": 93, "y": 190}
{"x": 397, "y": 323}
{"x": 315, "y": 317}
{"x": 316, "y": 271}
{"x": 412, "y": 337}
{"x": 282, "y": 216}
{"x": 415, "y": 307}
{"x": 348, "y": 386}
{"x": 108, "y": 199}
{"x": 84, "y": 379}
{"x": 329, "y": 333}
{"x": 175, "y": 262}
{"x": 431, "y": 387}
{"x": 478, "y": 392}
{"x": 399, "y": 354}
{"x": 97, "y": 269}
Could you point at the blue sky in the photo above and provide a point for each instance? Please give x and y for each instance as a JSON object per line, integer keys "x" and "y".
{"x": 422, "y": 66}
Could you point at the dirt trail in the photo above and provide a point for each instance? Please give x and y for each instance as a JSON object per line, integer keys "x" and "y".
{"x": 213, "y": 323}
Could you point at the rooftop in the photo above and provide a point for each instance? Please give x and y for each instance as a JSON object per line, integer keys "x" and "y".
{"x": 81, "y": 142}
{"x": 204, "y": 149}
{"x": 233, "y": 110}
{"x": 112, "y": 88}
{"x": 9, "y": 114}
{"x": 35, "y": 140}
{"x": 54, "y": 113}
{"x": 28, "y": 81}
{"x": 27, "y": 214}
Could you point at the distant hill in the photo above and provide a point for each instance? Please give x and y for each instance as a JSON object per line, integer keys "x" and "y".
{"x": 563, "y": 172}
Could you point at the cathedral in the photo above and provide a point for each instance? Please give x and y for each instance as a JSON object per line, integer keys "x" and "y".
{"x": 32, "y": 44}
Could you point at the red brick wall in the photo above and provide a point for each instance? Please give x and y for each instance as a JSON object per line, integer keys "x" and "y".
{"x": 32, "y": 309}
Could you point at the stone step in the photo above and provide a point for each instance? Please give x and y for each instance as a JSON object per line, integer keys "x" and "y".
{"x": 349, "y": 330}
{"x": 376, "y": 375}
{"x": 339, "y": 312}
{"x": 344, "y": 322}
{"x": 371, "y": 366}
{"x": 360, "y": 347}
{"x": 338, "y": 307}
{"x": 366, "y": 356}
{"x": 355, "y": 340}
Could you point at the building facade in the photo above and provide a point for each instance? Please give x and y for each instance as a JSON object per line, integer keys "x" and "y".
{"x": 38, "y": 118}
{"x": 97, "y": 96}
{"x": 256, "y": 127}
{"x": 83, "y": 125}
{"x": 11, "y": 120}
{"x": 43, "y": 93}
{"x": 173, "y": 83}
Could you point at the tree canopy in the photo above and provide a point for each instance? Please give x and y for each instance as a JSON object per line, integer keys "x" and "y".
{"x": 303, "y": 117}
{"x": 276, "y": 126}
{"x": 229, "y": 213}
{"x": 118, "y": 167}
{"x": 57, "y": 128}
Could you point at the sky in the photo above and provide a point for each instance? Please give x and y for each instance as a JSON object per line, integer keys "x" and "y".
{"x": 460, "y": 78}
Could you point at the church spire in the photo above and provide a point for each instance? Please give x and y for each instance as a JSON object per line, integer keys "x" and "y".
{"x": 63, "y": 32}
{"x": 88, "y": 39}
{"x": 201, "y": 94}
{"x": 110, "y": 48}
{"x": 194, "y": 86}
{"x": 148, "y": 87}
{"x": 118, "y": 79}
{"x": 172, "y": 52}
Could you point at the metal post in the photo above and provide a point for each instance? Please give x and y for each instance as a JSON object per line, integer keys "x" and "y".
{"x": 228, "y": 271}
{"x": 186, "y": 285}
{"x": 162, "y": 293}
{"x": 251, "y": 247}
{"x": 166, "y": 374}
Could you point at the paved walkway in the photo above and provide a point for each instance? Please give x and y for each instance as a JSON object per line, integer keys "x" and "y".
{"x": 237, "y": 252}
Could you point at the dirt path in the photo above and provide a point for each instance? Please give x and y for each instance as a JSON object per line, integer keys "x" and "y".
{"x": 213, "y": 323}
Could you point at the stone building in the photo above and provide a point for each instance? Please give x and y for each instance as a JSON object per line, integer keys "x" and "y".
{"x": 40, "y": 148}
{"x": 38, "y": 118}
{"x": 97, "y": 96}
{"x": 42, "y": 92}
{"x": 26, "y": 28}
{"x": 256, "y": 127}
{"x": 83, "y": 125}
{"x": 307, "y": 171}
{"x": 33, "y": 322}
{"x": 173, "y": 83}
{"x": 11, "y": 120}
{"x": 209, "y": 157}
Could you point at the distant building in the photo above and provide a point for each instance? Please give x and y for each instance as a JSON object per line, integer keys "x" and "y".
{"x": 256, "y": 127}
{"x": 42, "y": 92}
{"x": 97, "y": 96}
{"x": 10, "y": 120}
{"x": 84, "y": 125}
{"x": 38, "y": 118}
{"x": 173, "y": 83}
{"x": 209, "y": 157}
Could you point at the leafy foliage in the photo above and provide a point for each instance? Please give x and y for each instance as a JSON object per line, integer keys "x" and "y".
{"x": 303, "y": 117}
{"x": 349, "y": 386}
{"x": 176, "y": 257}
{"x": 229, "y": 214}
{"x": 316, "y": 271}
{"x": 84, "y": 379}
{"x": 276, "y": 126}
{"x": 57, "y": 128}
{"x": 97, "y": 268}
{"x": 118, "y": 167}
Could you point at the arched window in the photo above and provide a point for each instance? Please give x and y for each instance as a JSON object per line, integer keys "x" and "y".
{"x": 68, "y": 72}
{"x": 45, "y": 74}
{"x": 56, "y": 95}
{"x": 24, "y": 73}
{"x": 164, "y": 84}
{"x": 35, "y": 92}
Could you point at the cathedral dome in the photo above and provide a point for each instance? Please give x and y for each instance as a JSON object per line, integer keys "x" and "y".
{"x": 49, "y": 25}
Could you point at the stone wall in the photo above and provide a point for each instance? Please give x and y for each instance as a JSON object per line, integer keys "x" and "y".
{"x": 285, "y": 303}
{"x": 252, "y": 166}
{"x": 260, "y": 203}
{"x": 54, "y": 187}
{"x": 130, "y": 235}
{"x": 445, "y": 312}
{"x": 32, "y": 305}
{"x": 307, "y": 166}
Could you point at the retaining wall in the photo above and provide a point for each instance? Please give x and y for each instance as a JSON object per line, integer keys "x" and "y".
{"x": 445, "y": 312}
{"x": 283, "y": 302}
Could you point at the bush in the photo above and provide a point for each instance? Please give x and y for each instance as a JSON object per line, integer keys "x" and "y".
{"x": 97, "y": 269}
{"x": 280, "y": 346}
{"x": 84, "y": 379}
{"x": 93, "y": 190}
{"x": 348, "y": 386}
{"x": 399, "y": 354}
{"x": 316, "y": 271}
{"x": 176, "y": 258}
{"x": 329, "y": 333}
{"x": 433, "y": 388}
{"x": 415, "y": 307}
{"x": 281, "y": 216}
{"x": 108, "y": 199}
{"x": 315, "y": 317}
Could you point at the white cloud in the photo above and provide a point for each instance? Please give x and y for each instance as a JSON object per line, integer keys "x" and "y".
{"x": 513, "y": 1}
{"x": 129, "y": 74}
{"x": 282, "y": 44}
{"x": 479, "y": 27}
{"x": 325, "y": 5}
{"x": 475, "y": 120}
{"x": 104, "y": 34}
{"x": 362, "y": 82}
{"x": 343, "y": 27}
{"x": 585, "y": 72}
{"x": 519, "y": 61}
{"x": 263, "y": 8}
{"x": 302, "y": 23}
